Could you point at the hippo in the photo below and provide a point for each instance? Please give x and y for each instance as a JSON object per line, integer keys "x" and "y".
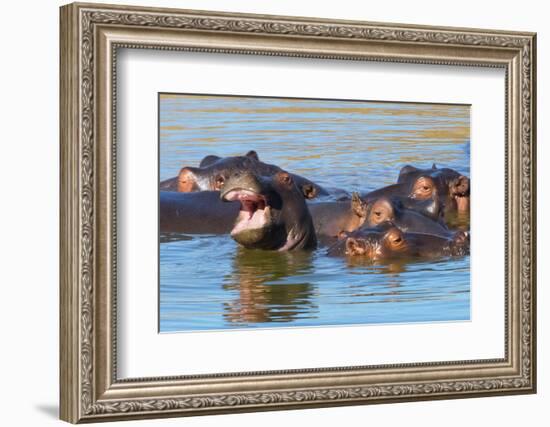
{"x": 452, "y": 186}
{"x": 433, "y": 208}
{"x": 273, "y": 212}
{"x": 203, "y": 212}
{"x": 429, "y": 191}
{"x": 196, "y": 213}
{"x": 393, "y": 210}
{"x": 388, "y": 243}
{"x": 214, "y": 170}
{"x": 331, "y": 218}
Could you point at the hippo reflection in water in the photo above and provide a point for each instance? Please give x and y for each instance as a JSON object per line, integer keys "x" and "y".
{"x": 213, "y": 171}
{"x": 388, "y": 242}
{"x": 269, "y": 288}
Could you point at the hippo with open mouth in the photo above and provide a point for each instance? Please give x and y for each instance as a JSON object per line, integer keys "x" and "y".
{"x": 389, "y": 242}
{"x": 273, "y": 213}
{"x": 213, "y": 171}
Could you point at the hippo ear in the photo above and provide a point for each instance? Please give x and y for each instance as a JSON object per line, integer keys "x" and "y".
{"x": 406, "y": 170}
{"x": 252, "y": 154}
{"x": 209, "y": 160}
{"x": 187, "y": 180}
{"x": 434, "y": 167}
{"x": 358, "y": 205}
{"x": 463, "y": 184}
{"x": 309, "y": 191}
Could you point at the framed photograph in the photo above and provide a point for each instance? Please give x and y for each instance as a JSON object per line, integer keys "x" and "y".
{"x": 266, "y": 213}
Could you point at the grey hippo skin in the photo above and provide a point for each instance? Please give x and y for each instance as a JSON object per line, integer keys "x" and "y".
{"x": 389, "y": 243}
{"x": 273, "y": 213}
{"x": 203, "y": 212}
{"x": 196, "y": 213}
{"x": 447, "y": 187}
{"x": 453, "y": 188}
{"x": 392, "y": 210}
{"x": 331, "y": 218}
{"x": 213, "y": 171}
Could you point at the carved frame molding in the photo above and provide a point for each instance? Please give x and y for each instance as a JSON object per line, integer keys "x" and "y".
{"x": 90, "y": 37}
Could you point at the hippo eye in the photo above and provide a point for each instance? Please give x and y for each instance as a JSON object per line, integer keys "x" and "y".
{"x": 398, "y": 240}
{"x": 286, "y": 179}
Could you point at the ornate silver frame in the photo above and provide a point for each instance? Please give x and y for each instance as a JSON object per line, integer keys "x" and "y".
{"x": 90, "y": 36}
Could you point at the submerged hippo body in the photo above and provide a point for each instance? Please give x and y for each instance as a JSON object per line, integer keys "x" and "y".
{"x": 196, "y": 213}
{"x": 393, "y": 210}
{"x": 273, "y": 212}
{"x": 213, "y": 171}
{"x": 331, "y": 218}
{"x": 386, "y": 243}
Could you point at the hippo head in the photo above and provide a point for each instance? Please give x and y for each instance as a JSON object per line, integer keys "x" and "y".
{"x": 379, "y": 211}
{"x": 407, "y": 214}
{"x": 389, "y": 242}
{"x": 377, "y": 244}
{"x": 211, "y": 159}
{"x": 447, "y": 183}
{"x": 273, "y": 214}
{"x": 213, "y": 171}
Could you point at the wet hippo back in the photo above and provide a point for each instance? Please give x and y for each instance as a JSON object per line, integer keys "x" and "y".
{"x": 196, "y": 213}
{"x": 331, "y": 218}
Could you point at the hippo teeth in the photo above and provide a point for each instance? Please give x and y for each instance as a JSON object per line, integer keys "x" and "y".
{"x": 251, "y": 220}
{"x": 254, "y": 210}
{"x": 252, "y": 205}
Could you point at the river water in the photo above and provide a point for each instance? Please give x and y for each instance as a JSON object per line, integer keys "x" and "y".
{"x": 210, "y": 283}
